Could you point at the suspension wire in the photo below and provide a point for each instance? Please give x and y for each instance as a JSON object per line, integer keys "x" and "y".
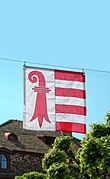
{"x": 55, "y": 66}
{"x": 96, "y": 70}
{"x": 10, "y": 60}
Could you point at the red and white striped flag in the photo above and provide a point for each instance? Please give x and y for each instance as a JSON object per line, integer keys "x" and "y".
{"x": 54, "y": 100}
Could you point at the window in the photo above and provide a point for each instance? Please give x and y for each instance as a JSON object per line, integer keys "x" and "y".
{"x": 49, "y": 140}
{"x": 3, "y": 161}
{"x": 11, "y": 136}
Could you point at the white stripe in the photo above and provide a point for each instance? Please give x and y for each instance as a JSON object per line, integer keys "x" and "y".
{"x": 70, "y": 118}
{"x": 70, "y": 101}
{"x": 69, "y": 84}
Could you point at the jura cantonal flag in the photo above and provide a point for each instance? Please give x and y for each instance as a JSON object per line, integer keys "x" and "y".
{"x": 54, "y": 100}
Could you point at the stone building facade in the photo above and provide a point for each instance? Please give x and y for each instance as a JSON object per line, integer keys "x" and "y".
{"x": 22, "y": 150}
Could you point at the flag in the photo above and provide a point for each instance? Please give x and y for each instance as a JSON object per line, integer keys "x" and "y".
{"x": 54, "y": 100}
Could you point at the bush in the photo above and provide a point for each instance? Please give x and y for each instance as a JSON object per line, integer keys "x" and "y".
{"x": 58, "y": 171}
{"x": 32, "y": 175}
{"x": 54, "y": 156}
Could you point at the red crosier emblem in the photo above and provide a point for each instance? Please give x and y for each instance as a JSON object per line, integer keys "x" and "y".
{"x": 40, "y": 110}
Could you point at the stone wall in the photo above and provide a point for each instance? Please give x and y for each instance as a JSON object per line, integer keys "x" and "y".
{"x": 22, "y": 162}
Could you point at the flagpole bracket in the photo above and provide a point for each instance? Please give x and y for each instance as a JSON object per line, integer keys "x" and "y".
{"x": 24, "y": 64}
{"x": 83, "y": 70}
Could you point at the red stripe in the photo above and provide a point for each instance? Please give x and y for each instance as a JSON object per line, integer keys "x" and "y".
{"x": 70, "y": 76}
{"x": 71, "y": 127}
{"x": 70, "y": 92}
{"x": 70, "y": 109}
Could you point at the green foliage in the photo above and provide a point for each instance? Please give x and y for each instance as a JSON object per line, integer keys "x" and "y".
{"x": 19, "y": 177}
{"x": 99, "y": 130}
{"x": 62, "y": 143}
{"x": 58, "y": 171}
{"x": 60, "y": 161}
{"x": 105, "y": 162}
{"x": 94, "y": 154}
{"x": 32, "y": 175}
{"x": 107, "y": 118}
{"x": 90, "y": 155}
{"x": 54, "y": 156}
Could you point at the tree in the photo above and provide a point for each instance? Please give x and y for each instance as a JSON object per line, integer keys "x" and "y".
{"x": 91, "y": 160}
{"x": 94, "y": 154}
{"x": 32, "y": 175}
{"x": 58, "y": 171}
{"x": 60, "y": 162}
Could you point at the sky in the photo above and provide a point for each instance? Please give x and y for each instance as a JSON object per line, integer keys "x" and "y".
{"x": 60, "y": 34}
